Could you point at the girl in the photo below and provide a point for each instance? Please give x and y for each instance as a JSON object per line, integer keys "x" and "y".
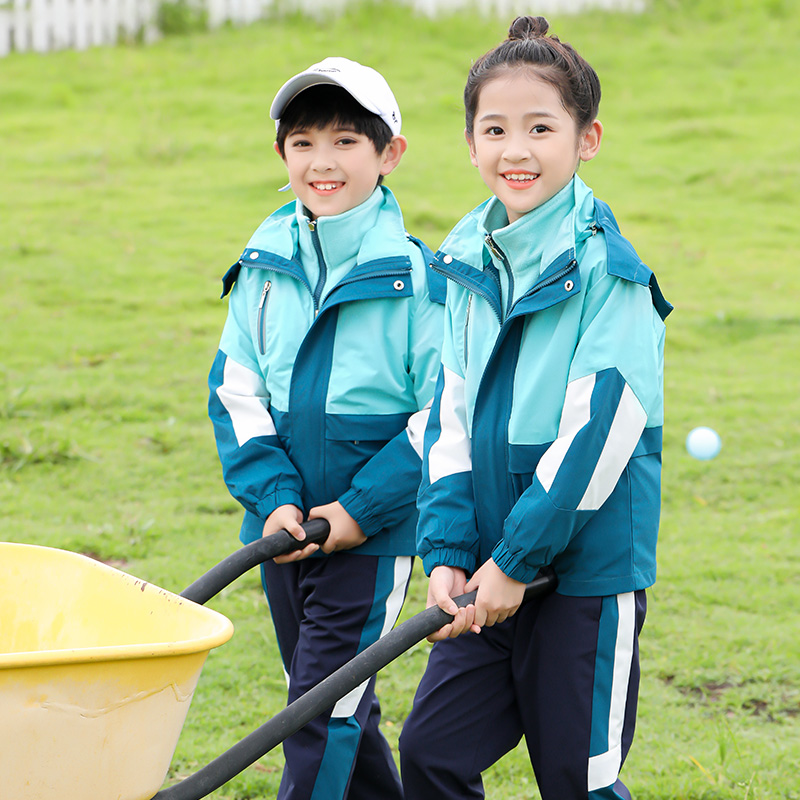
{"x": 542, "y": 448}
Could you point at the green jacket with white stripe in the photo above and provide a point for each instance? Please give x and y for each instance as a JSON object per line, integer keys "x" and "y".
{"x": 326, "y": 368}
{"x": 543, "y": 446}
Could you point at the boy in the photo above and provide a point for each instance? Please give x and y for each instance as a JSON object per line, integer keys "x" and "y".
{"x": 319, "y": 396}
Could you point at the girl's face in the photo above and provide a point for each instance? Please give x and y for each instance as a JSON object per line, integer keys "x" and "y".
{"x": 525, "y": 143}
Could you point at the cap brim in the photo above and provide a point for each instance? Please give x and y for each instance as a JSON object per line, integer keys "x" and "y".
{"x": 293, "y": 87}
{"x": 299, "y": 83}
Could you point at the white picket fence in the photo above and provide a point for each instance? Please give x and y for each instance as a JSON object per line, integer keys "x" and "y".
{"x": 44, "y": 25}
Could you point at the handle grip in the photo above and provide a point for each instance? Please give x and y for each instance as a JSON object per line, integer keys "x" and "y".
{"x": 251, "y": 555}
{"x": 326, "y": 693}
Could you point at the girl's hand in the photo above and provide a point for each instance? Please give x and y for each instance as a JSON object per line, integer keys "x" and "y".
{"x": 499, "y": 596}
{"x": 288, "y": 518}
{"x": 345, "y": 532}
{"x": 446, "y": 583}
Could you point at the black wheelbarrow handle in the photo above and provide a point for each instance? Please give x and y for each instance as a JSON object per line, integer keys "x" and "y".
{"x": 251, "y": 555}
{"x": 325, "y": 694}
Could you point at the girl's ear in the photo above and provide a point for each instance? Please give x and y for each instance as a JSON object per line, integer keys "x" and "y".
{"x": 393, "y": 153}
{"x": 589, "y": 142}
{"x": 473, "y": 156}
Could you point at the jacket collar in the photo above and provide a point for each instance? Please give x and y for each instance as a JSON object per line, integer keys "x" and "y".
{"x": 465, "y": 242}
{"x": 370, "y": 231}
{"x": 543, "y": 235}
{"x": 463, "y": 255}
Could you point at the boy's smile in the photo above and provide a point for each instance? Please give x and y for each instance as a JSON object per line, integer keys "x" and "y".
{"x": 334, "y": 169}
{"x": 525, "y": 143}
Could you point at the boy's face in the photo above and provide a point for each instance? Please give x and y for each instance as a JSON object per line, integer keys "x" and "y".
{"x": 334, "y": 169}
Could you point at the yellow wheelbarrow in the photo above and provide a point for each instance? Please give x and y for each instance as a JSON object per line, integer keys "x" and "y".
{"x": 98, "y": 668}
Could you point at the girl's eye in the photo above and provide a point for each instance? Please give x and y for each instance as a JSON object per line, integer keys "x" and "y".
{"x": 495, "y": 130}
{"x": 540, "y": 129}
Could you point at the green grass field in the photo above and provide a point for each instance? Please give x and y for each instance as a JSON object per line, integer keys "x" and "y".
{"x": 131, "y": 178}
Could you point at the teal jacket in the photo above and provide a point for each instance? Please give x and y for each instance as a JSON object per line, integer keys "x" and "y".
{"x": 326, "y": 368}
{"x": 543, "y": 445}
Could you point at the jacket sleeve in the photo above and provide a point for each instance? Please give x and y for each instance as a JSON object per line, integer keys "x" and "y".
{"x": 255, "y": 467}
{"x": 384, "y": 490}
{"x": 614, "y": 391}
{"x": 447, "y": 529}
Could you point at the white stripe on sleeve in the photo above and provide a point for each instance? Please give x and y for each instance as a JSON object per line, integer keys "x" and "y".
{"x": 245, "y": 398}
{"x": 416, "y": 428}
{"x": 452, "y": 451}
{"x": 576, "y": 413}
{"x": 625, "y": 431}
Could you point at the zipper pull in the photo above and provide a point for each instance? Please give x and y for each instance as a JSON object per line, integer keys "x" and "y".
{"x": 264, "y": 293}
{"x": 312, "y": 225}
{"x": 492, "y": 245}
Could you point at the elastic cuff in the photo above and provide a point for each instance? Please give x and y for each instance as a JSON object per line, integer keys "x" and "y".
{"x": 281, "y": 497}
{"x": 511, "y": 566}
{"x": 447, "y": 557}
{"x": 355, "y": 504}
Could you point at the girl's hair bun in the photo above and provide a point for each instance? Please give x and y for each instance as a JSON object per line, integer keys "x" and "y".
{"x": 528, "y": 28}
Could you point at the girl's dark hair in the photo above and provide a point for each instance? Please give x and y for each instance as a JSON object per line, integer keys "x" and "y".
{"x": 322, "y": 105}
{"x": 551, "y": 59}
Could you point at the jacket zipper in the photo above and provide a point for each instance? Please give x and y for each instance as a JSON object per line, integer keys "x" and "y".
{"x": 501, "y": 256}
{"x": 323, "y": 267}
{"x": 384, "y": 273}
{"x": 553, "y": 278}
{"x": 262, "y": 312}
{"x": 470, "y": 287}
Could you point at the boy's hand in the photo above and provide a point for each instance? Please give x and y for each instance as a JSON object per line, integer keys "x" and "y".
{"x": 446, "y": 583}
{"x": 288, "y": 518}
{"x": 499, "y": 596}
{"x": 345, "y": 532}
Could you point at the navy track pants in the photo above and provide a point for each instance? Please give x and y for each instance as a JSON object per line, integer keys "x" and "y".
{"x": 325, "y": 611}
{"x": 563, "y": 673}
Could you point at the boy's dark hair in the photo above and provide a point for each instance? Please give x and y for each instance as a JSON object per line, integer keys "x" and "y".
{"x": 552, "y": 60}
{"x": 322, "y": 105}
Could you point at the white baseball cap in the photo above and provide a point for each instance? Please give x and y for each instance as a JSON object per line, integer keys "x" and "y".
{"x": 365, "y": 84}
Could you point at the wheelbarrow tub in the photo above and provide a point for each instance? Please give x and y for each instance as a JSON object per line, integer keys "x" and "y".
{"x": 97, "y": 671}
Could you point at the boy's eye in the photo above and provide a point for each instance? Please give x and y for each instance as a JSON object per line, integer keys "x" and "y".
{"x": 347, "y": 140}
{"x": 300, "y": 143}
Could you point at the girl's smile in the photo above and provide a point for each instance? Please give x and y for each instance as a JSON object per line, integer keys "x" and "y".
{"x": 525, "y": 143}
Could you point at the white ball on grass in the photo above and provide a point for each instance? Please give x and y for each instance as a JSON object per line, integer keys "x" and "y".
{"x": 703, "y": 443}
